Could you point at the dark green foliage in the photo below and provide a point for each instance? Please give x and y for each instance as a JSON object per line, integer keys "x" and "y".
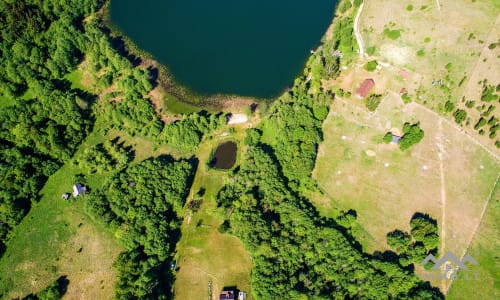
{"x": 421, "y": 52}
{"x": 53, "y": 291}
{"x": 480, "y": 123}
{"x": 187, "y": 133}
{"x": 424, "y": 239}
{"x": 141, "y": 204}
{"x": 253, "y": 136}
{"x": 298, "y": 132}
{"x": 387, "y": 138}
{"x": 371, "y": 65}
{"x": 371, "y": 50}
{"x": 373, "y": 101}
{"x": 295, "y": 252}
{"x": 40, "y": 41}
{"x": 460, "y": 115}
{"x": 449, "y": 106}
{"x": 344, "y": 40}
{"x": 470, "y": 104}
{"x": 406, "y": 98}
{"x": 104, "y": 157}
{"x": 344, "y": 5}
{"x": 412, "y": 135}
{"x": 488, "y": 94}
{"x": 399, "y": 241}
{"x": 424, "y": 229}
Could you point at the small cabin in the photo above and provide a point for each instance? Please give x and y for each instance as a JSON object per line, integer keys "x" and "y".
{"x": 78, "y": 189}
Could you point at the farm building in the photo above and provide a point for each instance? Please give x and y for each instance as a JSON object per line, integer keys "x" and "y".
{"x": 78, "y": 189}
{"x": 237, "y": 119}
{"x": 365, "y": 88}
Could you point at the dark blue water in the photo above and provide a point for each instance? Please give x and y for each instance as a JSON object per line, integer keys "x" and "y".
{"x": 244, "y": 47}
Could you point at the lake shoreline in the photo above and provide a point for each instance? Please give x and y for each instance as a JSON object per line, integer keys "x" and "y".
{"x": 166, "y": 80}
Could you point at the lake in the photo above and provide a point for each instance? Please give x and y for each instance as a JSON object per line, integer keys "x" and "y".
{"x": 246, "y": 47}
{"x": 224, "y": 156}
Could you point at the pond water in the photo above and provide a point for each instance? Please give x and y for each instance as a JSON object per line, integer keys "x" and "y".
{"x": 245, "y": 47}
{"x": 224, "y": 156}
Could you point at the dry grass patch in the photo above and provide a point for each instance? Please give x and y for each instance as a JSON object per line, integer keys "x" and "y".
{"x": 446, "y": 174}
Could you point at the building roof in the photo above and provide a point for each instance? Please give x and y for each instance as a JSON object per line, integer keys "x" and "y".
{"x": 227, "y": 295}
{"x": 395, "y": 139}
{"x": 78, "y": 189}
{"x": 237, "y": 119}
{"x": 365, "y": 87}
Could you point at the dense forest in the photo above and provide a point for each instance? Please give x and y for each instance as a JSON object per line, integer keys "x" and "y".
{"x": 141, "y": 205}
{"x": 41, "y": 123}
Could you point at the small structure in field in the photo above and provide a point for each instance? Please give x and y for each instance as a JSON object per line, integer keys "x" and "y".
{"x": 227, "y": 295}
{"x": 237, "y": 119}
{"x": 395, "y": 139}
{"x": 365, "y": 88}
{"x": 242, "y": 296}
{"x": 65, "y": 196}
{"x": 78, "y": 189}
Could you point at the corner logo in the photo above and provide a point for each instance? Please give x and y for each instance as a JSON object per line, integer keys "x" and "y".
{"x": 444, "y": 263}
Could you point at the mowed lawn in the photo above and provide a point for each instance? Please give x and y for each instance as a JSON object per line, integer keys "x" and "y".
{"x": 204, "y": 254}
{"x": 447, "y": 175}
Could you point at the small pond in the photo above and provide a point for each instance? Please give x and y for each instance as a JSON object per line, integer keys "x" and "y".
{"x": 224, "y": 156}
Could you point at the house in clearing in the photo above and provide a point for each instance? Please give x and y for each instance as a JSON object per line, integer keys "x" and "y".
{"x": 227, "y": 295}
{"x": 365, "y": 88}
{"x": 78, "y": 189}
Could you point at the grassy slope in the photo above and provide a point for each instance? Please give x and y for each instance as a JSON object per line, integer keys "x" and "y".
{"x": 203, "y": 253}
{"x": 57, "y": 239}
{"x": 485, "y": 250}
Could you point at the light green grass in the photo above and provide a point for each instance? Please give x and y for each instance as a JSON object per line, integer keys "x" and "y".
{"x": 484, "y": 249}
{"x": 42, "y": 246}
{"x": 177, "y": 107}
{"x": 75, "y": 78}
{"x": 204, "y": 254}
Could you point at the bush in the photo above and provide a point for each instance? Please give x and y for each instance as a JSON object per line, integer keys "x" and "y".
{"x": 460, "y": 116}
{"x": 406, "y": 98}
{"x": 413, "y": 134}
{"x": 449, "y": 106}
{"x": 387, "y": 138}
{"x": 480, "y": 123}
{"x": 373, "y": 101}
{"x": 345, "y": 5}
{"x": 371, "y": 66}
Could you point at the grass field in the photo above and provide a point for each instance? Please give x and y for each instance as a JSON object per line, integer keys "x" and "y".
{"x": 57, "y": 239}
{"x": 204, "y": 255}
{"x": 484, "y": 249}
{"x": 447, "y": 175}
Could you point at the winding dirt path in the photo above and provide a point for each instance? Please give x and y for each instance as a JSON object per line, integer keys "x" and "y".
{"x": 359, "y": 39}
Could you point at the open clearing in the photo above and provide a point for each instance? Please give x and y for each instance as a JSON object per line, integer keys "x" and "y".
{"x": 446, "y": 174}
{"x": 58, "y": 239}
{"x": 204, "y": 255}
